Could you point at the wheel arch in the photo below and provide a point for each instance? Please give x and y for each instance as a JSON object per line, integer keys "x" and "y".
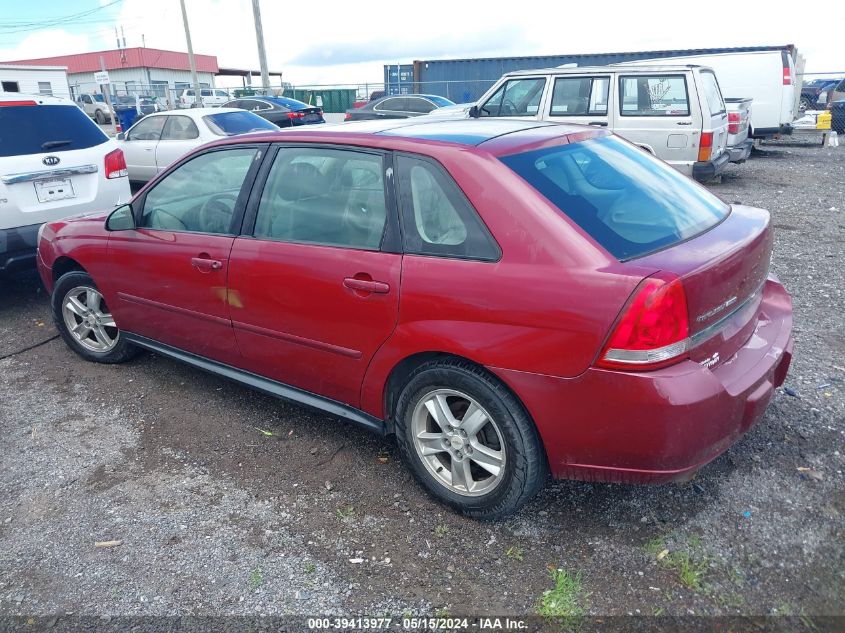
{"x": 63, "y": 265}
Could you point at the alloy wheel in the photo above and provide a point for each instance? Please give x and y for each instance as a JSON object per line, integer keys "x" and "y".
{"x": 459, "y": 442}
{"x": 88, "y": 319}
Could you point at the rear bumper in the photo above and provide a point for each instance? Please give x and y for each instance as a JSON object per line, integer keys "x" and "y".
{"x": 706, "y": 170}
{"x": 17, "y": 247}
{"x": 740, "y": 153}
{"x": 659, "y": 426}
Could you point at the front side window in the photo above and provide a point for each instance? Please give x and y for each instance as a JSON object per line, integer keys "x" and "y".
{"x": 580, "y": 96}
{"x": 628, "y": 201}
{"x": 653, "y": 95}
{"x": 712, "y": 92}
{"x": 147, "y": 129}
{"x": 417, "y": 104}
{"x": 516, "y": 97}
{"x": 179, "y": 128}
{"x": 436, "y": 216}
{"x": 200, "y": 195}
{"x": 321, "y": 196}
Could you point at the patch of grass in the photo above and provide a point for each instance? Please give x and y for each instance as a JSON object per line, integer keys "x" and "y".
{"x": 657, "y": 611}
{"x": 440, "y": 531}
{"x": 345, "y": 513}
{"x": 655, "y": 545}
{"x": 442, "y": 612}
{"x": 514, "y": 552}
{"x": 690, "y": 571}
{"x": 255, "y": 579}
{"x": 566, "y": 599}
{"x": 783, "y": 608}
{"x": 310, "y": 568}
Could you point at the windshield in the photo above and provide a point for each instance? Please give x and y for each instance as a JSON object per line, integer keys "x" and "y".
{"x": 37, "y": 129}
{"x": 99, "y": 98}
{"x": 441, "y": 102}
{"x": 231, "y": 123}
{"x": 628, "y": 201}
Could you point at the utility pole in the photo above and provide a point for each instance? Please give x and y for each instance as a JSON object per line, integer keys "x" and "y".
{"x": 194, "y": 79}
{"x": 262, "y": 54}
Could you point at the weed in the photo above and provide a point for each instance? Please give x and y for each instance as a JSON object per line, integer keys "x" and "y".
{"x": 690, "y": 571}
{"x": 255, "y": 579}
{"x": 514, "y": 552}
{"x": 440, "y": 531}
{"x": 655, "y": 545}
{"x": 310, "y": 568}
{"x": 565, "y": 599}
{"x": 345, "y": 513}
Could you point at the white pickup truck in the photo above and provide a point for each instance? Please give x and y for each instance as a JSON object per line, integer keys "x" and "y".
{"x": 739, "y": 114}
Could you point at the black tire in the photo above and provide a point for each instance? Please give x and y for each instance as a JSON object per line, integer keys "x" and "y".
{"x": 122, "y": 349}
{"x": 525, "y": 470}
{"x": 99, "y": 117}
{"x": 805, "y": 104}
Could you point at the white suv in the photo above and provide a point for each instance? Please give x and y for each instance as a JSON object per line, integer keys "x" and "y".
{"x": 210, "y": 98}
{"x": 54, "y": 162}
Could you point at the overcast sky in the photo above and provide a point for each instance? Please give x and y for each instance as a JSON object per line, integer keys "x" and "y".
{"x": 324, "y": 42}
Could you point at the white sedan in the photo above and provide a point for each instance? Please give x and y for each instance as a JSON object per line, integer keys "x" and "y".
{"x": 159, "y": 139}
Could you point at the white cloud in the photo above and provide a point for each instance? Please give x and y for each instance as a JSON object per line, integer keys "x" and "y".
{"x": 46, "y": 44}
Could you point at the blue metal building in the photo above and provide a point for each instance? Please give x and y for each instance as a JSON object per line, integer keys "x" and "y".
{"x": 463, "y": 80}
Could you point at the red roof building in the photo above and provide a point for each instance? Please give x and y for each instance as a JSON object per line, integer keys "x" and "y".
{"x": 125, "y": 58}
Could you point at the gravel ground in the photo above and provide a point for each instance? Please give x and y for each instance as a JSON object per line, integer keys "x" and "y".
{"x": 229, "y": 502}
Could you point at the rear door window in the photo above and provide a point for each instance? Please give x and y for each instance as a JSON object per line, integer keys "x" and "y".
{"x": 397, "y": 104}
{"x": 628, "y": 201}
{"x": 712, "y": 92}
{"x": 516, "y": 97}
{"x": 653, "y": 95}
{"x": 179, "y": 128}
{"x": 418, "y": 104}
{"x": 580, "y": 96}
{"x": 437, "y": 218}
{"x": 37, "y": 129}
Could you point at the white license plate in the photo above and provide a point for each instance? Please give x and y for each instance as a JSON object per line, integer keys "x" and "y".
{"x": 50, "y": 190}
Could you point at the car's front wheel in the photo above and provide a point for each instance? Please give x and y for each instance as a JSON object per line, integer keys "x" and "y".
{"x": 85, "y": 321}
{"x": 468, "y": 440}
{"x": 100, "y": 117}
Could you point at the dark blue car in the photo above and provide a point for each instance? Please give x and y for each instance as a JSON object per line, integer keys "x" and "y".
{"x": 282, "y": 111}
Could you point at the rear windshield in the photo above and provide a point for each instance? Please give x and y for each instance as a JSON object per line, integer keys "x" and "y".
{"x": 628, "y": 201}
{"x": 46, "y": 128}
{"x": 231, "y": 123}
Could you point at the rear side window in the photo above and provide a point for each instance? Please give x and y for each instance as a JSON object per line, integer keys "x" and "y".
{"x": 437, "y": 218}
{"x": 712, "y": 92}
{"x": 628, "y": 201}
{"x": 231, "y": 123}
{"x": 516, "y": 97}
{"x": 574, "y": 96}
{"x": 46, "y": 128}
{"x": 179, "y": 128}
{"x": 657, "y": 95}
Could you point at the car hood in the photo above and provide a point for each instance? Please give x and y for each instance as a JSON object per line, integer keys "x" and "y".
{"x": 458, "y": 111}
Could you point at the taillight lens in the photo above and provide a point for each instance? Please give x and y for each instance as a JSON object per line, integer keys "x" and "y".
{"x": 116, "y": 164}
{"x": 733, "y": 122}
{"x": 11, "y": 104}
{"x": 347, "y": 117}
{"x": 653, "y": 330}
{"x": 296, "y": 115}
{"x": 787, "y": 76}
{"x": 706, "y": 146}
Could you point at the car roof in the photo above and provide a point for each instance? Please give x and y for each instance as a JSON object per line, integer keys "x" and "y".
{"x": 282, "y": 101}
{"x": 626, "y": 67}
{"x": 39, "y": 99}
{"x": 499, "y": 136}
{"x": 197, "y": 112}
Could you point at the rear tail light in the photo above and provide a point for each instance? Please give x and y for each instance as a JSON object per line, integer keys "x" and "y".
{"x": 116, "y": 164}
{"x": 787, "y": 76}
{"x": 733, "y": 122}
{"x": 296, "y": 115}
{"x": 653, "y": 330}
{"x": 347, "y": 117}
{"x": 8, "y": 104}
{"x": 705, "y": 147}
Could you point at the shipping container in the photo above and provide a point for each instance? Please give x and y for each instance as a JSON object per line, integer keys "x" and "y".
{"x": 465, "y": 80}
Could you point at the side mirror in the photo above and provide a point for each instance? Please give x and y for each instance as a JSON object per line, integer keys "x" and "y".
{"x": 121, "y": 219}
{"x": 121, "y": 136}
{"x": 474, "y": 112}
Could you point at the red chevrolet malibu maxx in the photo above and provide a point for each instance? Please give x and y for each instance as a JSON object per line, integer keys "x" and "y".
{"x": 508, "y": 298}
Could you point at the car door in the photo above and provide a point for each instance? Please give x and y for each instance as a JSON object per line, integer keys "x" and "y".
{"x": 169, "y": 273}
{"x": 582, "y": 99}
{"x": 178, "y": 137}
{"x": 655, "y": 112}
{"x": 139, "y": 147}
{"x": 417, "y": 106}
{"x": 314, "y": 281}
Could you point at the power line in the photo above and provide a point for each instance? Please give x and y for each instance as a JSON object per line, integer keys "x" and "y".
{"x": 23, "y": 27}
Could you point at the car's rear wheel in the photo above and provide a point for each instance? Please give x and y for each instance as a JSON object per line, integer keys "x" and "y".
{"x": 468, "y": 440}
{"x": 100, "y": 117}
{"x": 85, "y": 321}
{"x": 804, "y": 104}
